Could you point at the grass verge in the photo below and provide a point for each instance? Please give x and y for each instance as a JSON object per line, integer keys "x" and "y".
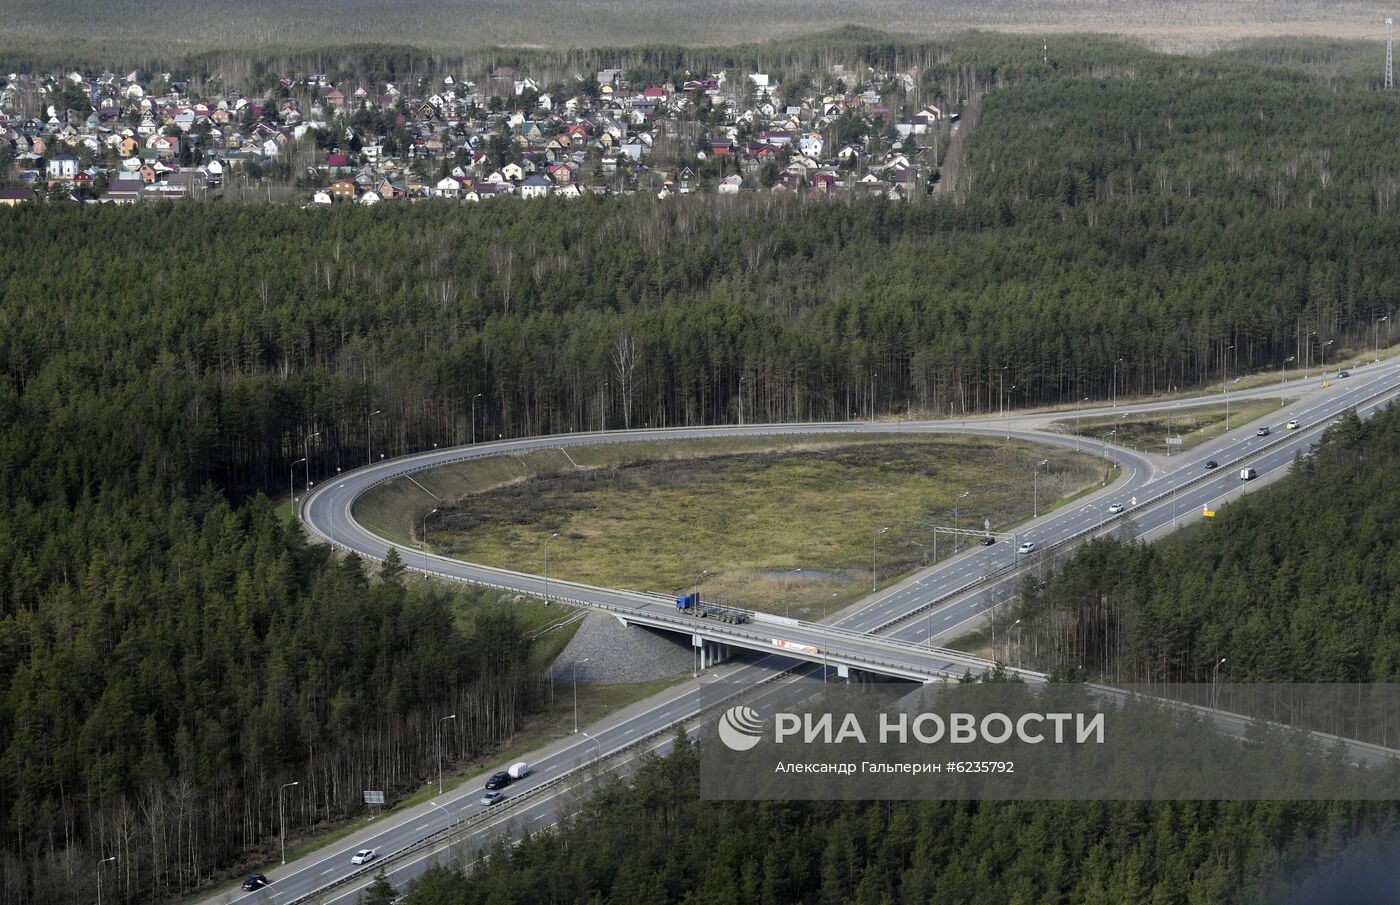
{"x": 1195, "y": 424}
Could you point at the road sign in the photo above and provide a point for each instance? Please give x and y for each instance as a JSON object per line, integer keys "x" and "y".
{"x": 1207, "y": 511}
{"x": 374, "y": 797}
{"x": 1173, "y": 441}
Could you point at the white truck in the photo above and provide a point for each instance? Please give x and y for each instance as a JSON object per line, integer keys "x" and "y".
{"x": 1248, "y": 474}
{"x": 519, "y": 771}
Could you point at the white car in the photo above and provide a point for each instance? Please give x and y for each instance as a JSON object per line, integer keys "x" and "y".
{"x": 1115, "y": 508}
{"x": 363, "y": 856}
{"x": 1292, "y": 425}
{"x": 491, "y": 798}
{"x": 1027, "y": 547}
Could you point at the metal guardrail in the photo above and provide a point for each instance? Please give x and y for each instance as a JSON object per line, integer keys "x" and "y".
{"x": 470, "y": 823}
{"x": 1002, "y": 572}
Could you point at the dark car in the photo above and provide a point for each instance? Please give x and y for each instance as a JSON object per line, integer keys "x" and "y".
{"x": 1343, "y": 374}
{"x": 987, "y": 540}
{"x": 1212, "y": 464}
{"x": 497, "y": 781}
{"x": 256, "y": 881}
{"x": 1262, "y": 432}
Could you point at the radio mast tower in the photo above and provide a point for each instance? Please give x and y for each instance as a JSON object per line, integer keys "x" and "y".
{"x": 1389, "y": 52}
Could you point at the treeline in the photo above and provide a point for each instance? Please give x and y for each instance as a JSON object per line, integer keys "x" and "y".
{"x": 1299, "y": 583}
{"x": 168, "y": 664}
{"x": 654, "y": 841}
{"x": 232, "y": 334}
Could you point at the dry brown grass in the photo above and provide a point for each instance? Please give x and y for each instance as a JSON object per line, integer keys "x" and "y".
{"x": 88, "y": 28}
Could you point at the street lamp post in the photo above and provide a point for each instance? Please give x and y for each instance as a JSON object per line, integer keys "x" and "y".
{"x": 741, "y": 402}
{"x": 1001, "y": 388}
{"x": 1113, "y": 391}
{"x": 1105, "y": 453}
{"x": 826, "y": 632}
{"x": 369, "y": 437}
{"x": 787, "y": 591}
{"x": 439, "y": 747}
{"x": 474, "y": 399}
{"x": 1214, "y": 690}
{"x": 1281, "y": 374}
{"x": 1377, "y": 327}
{"x": 282, "y": 817}
{"x": 423, "y": 542}
{"x": 1005, "y": 412}
{"x": 99, "y": 876}
{"x": 291, "y": 481}
{"x": 597, "y": 745}
{"x": 1224, "y": 374}
{"x": 1324, "y": 356}
{"x": 1307, "y": 352}
{"x": 1035, "y": 489}
{"x": 575, "y": 675}
{"x": 873, "y": 376}
{"x": 1077, "y": 406}
{"x": 546, "y": 564}
{"x": 307, "y": 460}
{"x": 872, "y": 556}
{"x": 957, "y": 538}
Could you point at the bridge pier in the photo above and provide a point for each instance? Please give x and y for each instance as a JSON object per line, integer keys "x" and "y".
{"x": 710, "y": 652}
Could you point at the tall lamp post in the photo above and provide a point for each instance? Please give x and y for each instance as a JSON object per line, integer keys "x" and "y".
{"x": 423, "y": 541}
{"x": 439, "y": 747}
{"x": 292, "y": 481}
{"x": 1035, "y": 487}
{"x": 826, "y": 632}
{"x": 369, "y": 436}
{"x": 872, "y": 557}
{"x": 474, "y": 399}
{"x": 957, "y": 538}
{"x": 1324, "y": 356}
{"x": 1214, "y": 689}
{"x": 307, "y": 459}
{"x": 546, "y": 564}
{"x": 1105, "y": 453}
{"x": 602, "y": 413}
{"x": 1113, "y": 390}
{"x": 577, "y": 663}
{"x": 1377, "y": 326}
{"x": 1307, "y": 352}
{"x": 741, "y": 402}
{"x": 282, "y": 817}
{"x": 1224, "y": 374}
{"x": 1005, "y": 412}
{"x": 1281, "y": 374}
{"x": 99, "y": 876}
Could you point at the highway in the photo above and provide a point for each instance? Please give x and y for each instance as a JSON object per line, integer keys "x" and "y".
{"x": 934, "y": 591}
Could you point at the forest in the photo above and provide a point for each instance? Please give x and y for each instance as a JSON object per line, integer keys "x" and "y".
{"x": 1297, "y": 584}
{"x": 172, "y": 653}
{"x": 654, "y": 841}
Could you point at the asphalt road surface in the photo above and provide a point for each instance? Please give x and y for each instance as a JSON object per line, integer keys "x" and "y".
{"x": 326, "y": 511}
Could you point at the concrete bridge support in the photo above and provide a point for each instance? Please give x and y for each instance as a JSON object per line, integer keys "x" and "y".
{"x": 710, "y": 652}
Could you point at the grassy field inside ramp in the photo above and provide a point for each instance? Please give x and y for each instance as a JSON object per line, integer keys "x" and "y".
{"x": 783, "y": 525}
{"x": 1195, "y": 424}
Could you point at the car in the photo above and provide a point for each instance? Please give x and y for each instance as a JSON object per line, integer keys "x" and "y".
{"x": 363, "y": 856}
{"x": 1212, "y": 464}
{"x": 1027, "y": 547}
{"x": 1292, "y": 425}
{"x": 1343, "y": 374}
{"x": 498, "y": 781}
{"x": 1115, "y": 508}
{"x": 256, "y": 881}
{"x": 987, "y": 540}
{"x": 1262, "y": 432}
{"x": 491, "y": 798}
